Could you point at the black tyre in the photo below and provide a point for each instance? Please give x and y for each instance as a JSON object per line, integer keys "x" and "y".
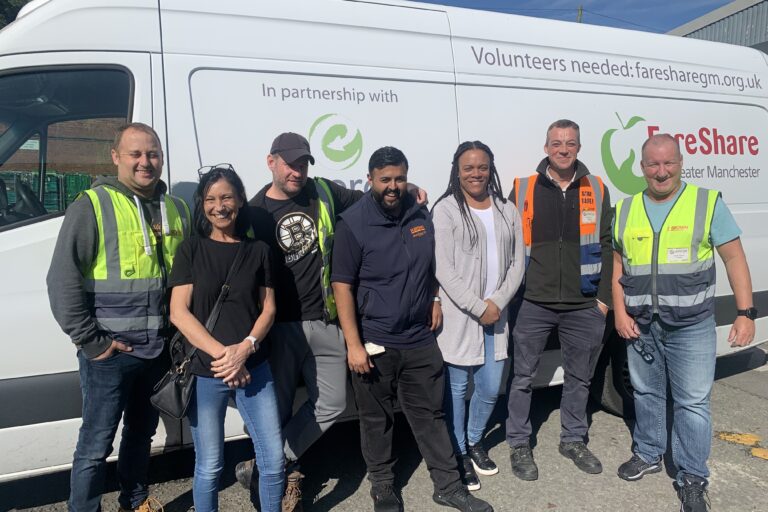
{"x": 611, "y": 386}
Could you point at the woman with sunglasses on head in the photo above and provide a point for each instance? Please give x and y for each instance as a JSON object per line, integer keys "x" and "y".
{"x": 479, "y": 265}
{"x": 230, "y": 361}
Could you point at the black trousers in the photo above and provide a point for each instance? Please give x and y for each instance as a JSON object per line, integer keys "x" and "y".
{"x": 581, "y": 340}
{"x": 415, "y": 377}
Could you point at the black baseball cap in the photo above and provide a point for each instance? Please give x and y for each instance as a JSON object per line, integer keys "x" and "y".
{"x": 291, "y": 146}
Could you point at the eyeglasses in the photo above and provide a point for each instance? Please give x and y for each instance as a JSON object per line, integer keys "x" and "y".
{"x": 210, "y": 168}
{"x": 151, "y": 155}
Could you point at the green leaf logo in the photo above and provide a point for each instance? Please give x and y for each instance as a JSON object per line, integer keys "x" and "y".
{"x": 621, "y": 175}
{"x": 340, "y": 141}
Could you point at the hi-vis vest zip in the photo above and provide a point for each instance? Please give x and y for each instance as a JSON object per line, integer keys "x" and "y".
{"x": 126, "y": 283}
{"x": 590, "y": 211}
{"x": 326, "y": 221}
{"x": 670, "y": 273}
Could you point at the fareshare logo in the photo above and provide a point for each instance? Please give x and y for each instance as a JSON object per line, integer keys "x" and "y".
{"x": 339, "y": 140}
{"x": 622, "y": 175}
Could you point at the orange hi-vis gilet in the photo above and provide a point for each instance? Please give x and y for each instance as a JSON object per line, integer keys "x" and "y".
{"x": 590, "y": 211}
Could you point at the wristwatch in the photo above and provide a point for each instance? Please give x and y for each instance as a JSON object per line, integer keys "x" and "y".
{"x": 254, "y": 342}
{"x": 750, "y": 313}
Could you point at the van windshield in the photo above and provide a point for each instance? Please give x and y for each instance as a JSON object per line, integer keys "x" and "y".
{"x": 56, "y": 130}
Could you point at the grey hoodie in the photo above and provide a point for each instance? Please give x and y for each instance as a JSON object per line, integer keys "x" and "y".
{"x": 73, "y": 255}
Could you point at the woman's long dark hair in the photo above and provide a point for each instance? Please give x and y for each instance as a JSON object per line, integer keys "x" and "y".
{"x": 201, "y": 224}
{"x": 454, "y": 186}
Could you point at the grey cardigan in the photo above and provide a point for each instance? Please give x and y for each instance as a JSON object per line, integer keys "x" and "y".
{"x": 461, "y": 272}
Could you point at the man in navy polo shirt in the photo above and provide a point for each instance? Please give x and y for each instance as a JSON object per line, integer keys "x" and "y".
{"x": 385, "y": 289}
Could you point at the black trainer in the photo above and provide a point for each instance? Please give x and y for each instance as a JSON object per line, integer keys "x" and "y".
{"x": 693, "y": 494}
{"x": 461, "y": 499}
{"x": 584, "y": 459}
{"x": 480, "y": 459}
{"x": 467, "y": 472}
{"x": 385, "y": 499}
{"x": 244, "y": 473}
{"x": 635, "y": 468}
{"x": 523, "y": 465}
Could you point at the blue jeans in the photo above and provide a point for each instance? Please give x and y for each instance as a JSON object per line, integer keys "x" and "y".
{"x": 487, "y": 381}
{"x": 258, "y": 407}
{"x": 116, "y": 387}
{"x": 684, "y": 359}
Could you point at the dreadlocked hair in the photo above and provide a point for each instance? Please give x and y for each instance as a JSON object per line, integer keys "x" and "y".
{"x": 454, "y": 186}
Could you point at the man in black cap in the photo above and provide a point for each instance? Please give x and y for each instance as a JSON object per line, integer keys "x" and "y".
{"x": 296, "y": 216}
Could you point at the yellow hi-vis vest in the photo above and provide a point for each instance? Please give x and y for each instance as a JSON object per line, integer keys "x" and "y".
{"x": 126, "y": 282}
{"x": 670, "y": 273}
{"x": 326, "y": 217}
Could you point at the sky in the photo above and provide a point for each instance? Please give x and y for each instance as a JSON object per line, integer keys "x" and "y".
{"x": 659, "y": 16}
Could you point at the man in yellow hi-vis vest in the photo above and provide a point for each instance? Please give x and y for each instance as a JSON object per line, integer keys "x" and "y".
{"x": 107, "y": 289}
{"x": 664, "y": 302}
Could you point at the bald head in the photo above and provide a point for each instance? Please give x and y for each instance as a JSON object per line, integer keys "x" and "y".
{"x": 661, "y": 139}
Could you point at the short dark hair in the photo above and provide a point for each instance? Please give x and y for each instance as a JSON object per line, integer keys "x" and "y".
{"x": 201, "y": 223}
{"x": 564, "y": 124}
{"x": 134, "y": 126}
{"x": 386, "y": 156}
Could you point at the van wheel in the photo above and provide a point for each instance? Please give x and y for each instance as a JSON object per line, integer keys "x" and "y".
{"x": 611, "y": 386}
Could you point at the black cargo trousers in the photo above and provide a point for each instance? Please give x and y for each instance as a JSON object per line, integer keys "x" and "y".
{"x": 414, "y": 376}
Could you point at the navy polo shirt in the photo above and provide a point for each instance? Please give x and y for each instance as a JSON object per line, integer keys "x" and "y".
{"x": 390, "y": 263}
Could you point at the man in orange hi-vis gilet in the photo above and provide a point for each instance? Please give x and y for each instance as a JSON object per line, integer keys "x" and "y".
{"x": 566, "y": 214}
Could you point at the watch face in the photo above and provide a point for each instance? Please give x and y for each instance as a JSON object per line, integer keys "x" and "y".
{"x": 750, "y": 313}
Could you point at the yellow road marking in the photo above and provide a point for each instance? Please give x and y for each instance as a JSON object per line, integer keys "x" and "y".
{"x": 734, "y": 437}
{"x": 760, "y": 452}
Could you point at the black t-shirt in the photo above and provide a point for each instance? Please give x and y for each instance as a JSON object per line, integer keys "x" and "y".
{"x": 204, "y": 263}
{"x": 290, "y": 227}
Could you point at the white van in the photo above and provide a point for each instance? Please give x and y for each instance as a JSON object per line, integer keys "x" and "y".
{"x": 218, "y": 80}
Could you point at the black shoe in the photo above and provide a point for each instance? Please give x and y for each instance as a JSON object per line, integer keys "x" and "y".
{"x": 244, "y": 473}
{"x": 460, "y": 499}
{"x": 635, "y": 468}
{"x": 385, "y": 499}
{"x": 578, "y": 452}
{"x": 523, "y": 465}
{"x": 467, "y": 472}
{"x": 693, "y": 494}
{"x": 480, "y": 459}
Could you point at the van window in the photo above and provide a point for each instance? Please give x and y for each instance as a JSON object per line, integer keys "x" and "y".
{"x": 56, "y": 130}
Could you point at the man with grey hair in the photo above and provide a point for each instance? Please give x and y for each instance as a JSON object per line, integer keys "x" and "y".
{"x": 664, "y": 298}
{"x": 566, "y": 215}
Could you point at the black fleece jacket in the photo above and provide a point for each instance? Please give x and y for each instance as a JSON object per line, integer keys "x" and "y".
{"x": 553, "y": 274}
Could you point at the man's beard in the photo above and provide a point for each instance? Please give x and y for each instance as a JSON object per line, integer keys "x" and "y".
{"x": 387, "y": 207}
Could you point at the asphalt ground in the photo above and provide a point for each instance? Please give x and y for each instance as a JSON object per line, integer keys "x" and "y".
{"x": 336, "y": 473}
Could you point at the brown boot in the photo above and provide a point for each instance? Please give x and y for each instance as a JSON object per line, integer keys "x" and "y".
{"x": 149, "y": 505}
{"x": 292, "y": 497}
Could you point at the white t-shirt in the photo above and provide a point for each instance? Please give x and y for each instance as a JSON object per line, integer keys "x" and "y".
{"x": 491, "y": 255}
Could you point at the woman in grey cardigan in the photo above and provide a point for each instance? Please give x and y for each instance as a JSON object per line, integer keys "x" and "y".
{"x": 479, "y": 264}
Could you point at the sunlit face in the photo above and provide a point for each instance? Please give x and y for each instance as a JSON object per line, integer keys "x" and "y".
{"x": 388, "y": 187}
{"x": 289, "y": 178}
{"x": 474, "y": 173}
{"x": 139, "y": 161}
{"x": 562, "y": 147}
{"x": 221, "y": 206}
{"x": 662, "y": 166}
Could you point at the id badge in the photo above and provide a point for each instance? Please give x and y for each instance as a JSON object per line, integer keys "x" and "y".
{"x": 678, "y": 255}
{"x": 588, "y": 216}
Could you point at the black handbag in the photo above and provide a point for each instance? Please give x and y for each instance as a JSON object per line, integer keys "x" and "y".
{"x": 171, "y": 395}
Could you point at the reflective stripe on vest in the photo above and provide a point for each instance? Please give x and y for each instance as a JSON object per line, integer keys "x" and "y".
{"x": 326, "y": 219}
{"x": 590, "y": 212}
{"x": 124, "y": 284}
{"x": 670, "y": 273}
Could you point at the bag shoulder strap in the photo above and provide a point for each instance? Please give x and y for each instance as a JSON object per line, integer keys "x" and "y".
{"x": 214, "y": 315}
